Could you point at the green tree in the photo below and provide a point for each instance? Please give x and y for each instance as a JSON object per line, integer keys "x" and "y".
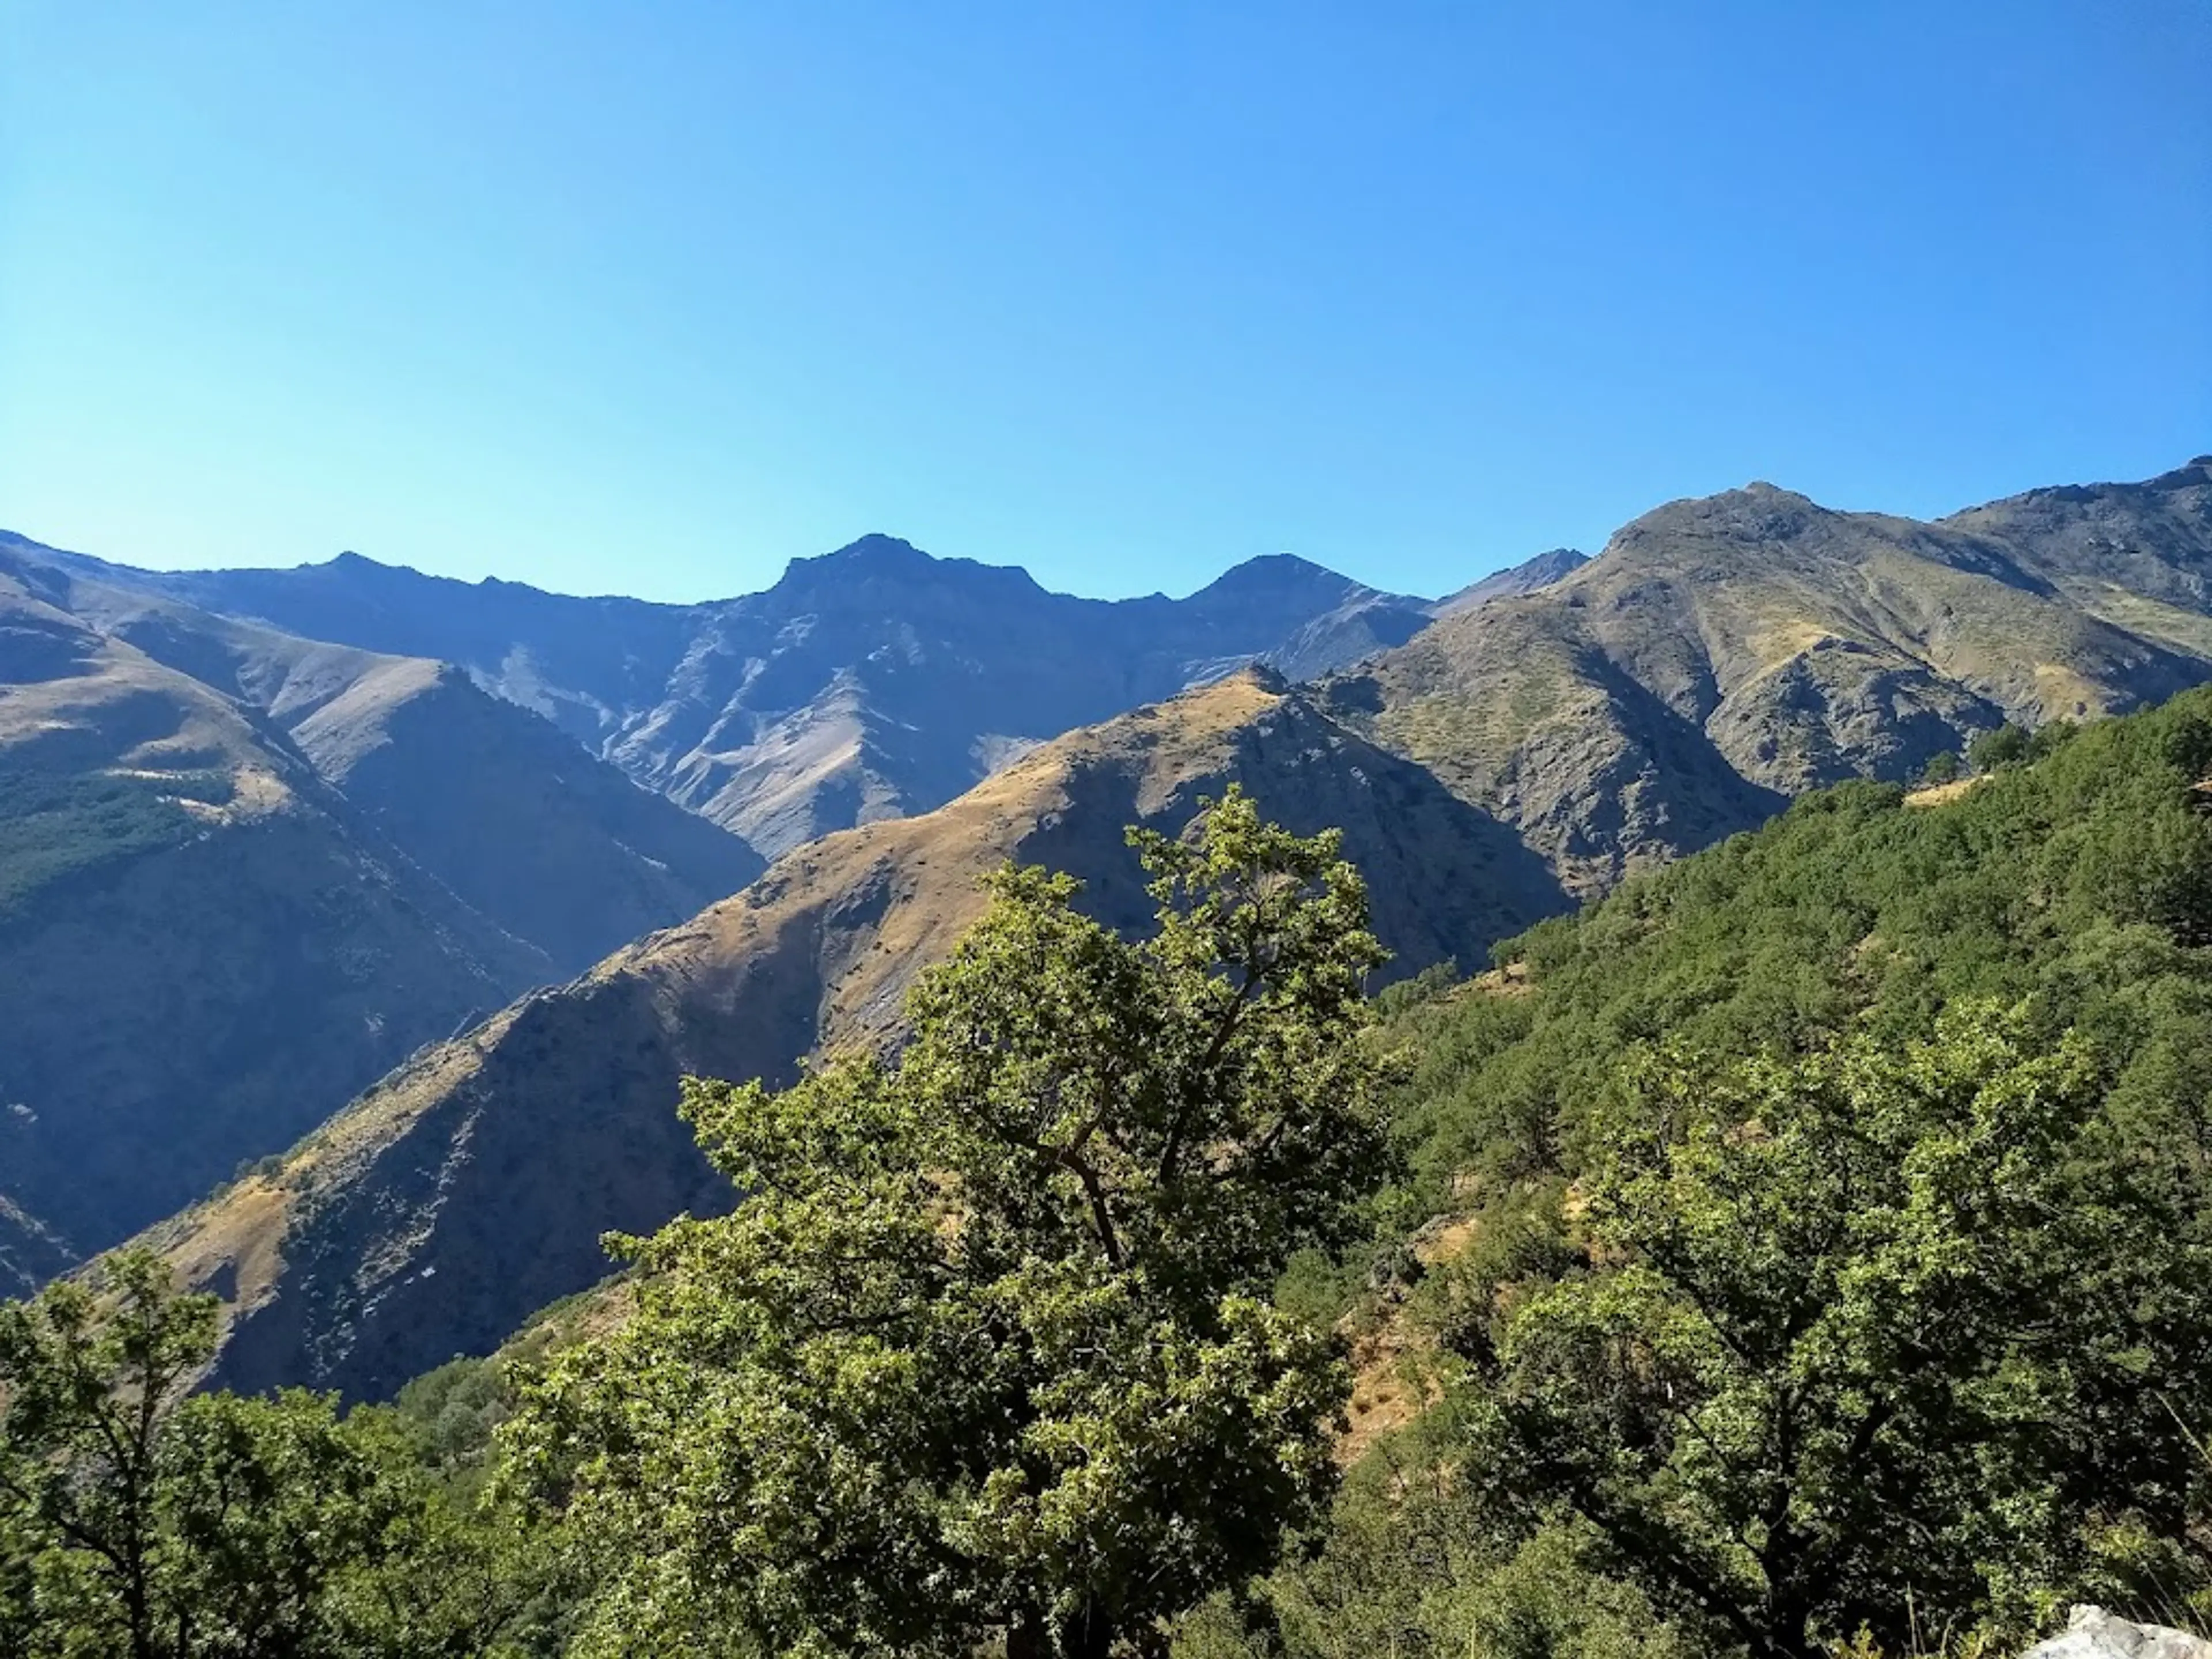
{"x": 88, "y": 1390}
{"x": 984, "y": 1357}
{"x": 1943, "y": 768}
{"x": 2008, "y": 745}
{"x": 1865, "y": 1333}
{"x": 136, "y": 1522}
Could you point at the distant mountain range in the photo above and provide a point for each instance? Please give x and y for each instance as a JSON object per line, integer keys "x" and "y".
{"x": 1543, "y": 736}
{"x": 870, "y": 682}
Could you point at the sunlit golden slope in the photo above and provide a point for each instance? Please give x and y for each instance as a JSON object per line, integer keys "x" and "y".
{"x": 1723, "y": 653}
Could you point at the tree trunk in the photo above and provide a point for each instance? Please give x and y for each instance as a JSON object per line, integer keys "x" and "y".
{"x": 1025, "y": 1637}
{"x": 1089, "y": 1635}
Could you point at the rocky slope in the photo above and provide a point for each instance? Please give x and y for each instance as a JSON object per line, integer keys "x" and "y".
{"x": 471, "y": 1187}
{"x": 203, "y": 950}
{"x": 869, "y": 682}
{"x": 1530, "y": 576}
{"x": 558, "y": 848}
{"x": 1721, "y": 654}
{"x": 243, "y": 874}
{"x": 30, "y": 1252}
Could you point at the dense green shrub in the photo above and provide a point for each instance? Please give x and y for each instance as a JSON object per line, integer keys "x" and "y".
{"x": 54, "y": 824}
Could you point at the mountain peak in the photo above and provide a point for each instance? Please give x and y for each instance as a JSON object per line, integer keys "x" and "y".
{"x": 876, "y": 559}
{"x": 1272, "y": 577}
{"x": 877, "y": 551}
{"x": 1760, "y": 490}
{"x": 874, "y": 556}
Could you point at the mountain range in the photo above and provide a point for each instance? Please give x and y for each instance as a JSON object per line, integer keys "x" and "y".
{"x": 307, "y": 849}
{"x": 869, "y": 682}
{"x": 1493, "y": 757}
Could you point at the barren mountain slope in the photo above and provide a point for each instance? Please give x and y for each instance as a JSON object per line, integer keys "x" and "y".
{"x": 30, "y": 1253}
{"x": 471, "y": 1187}
{"x": 559, "y": 849}
{"x": 1530, "y": 576}
{"x": 1724, "y": 653}
{"x": 2138, "y": 555}
{"x": 203, "y": 950}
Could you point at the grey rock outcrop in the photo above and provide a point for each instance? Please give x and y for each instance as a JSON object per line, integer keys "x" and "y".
{"x": 2093, "y": 1633}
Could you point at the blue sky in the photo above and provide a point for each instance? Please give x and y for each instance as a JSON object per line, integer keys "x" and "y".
{"x": 652, "y": 298}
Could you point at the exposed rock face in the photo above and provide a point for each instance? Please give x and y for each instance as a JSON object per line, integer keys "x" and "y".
{"x": 2093, "y": 1633}
{"x": 870, "y": 682}
{"x": 1723, "y": 653}
{"x": 470, "y": 1188}
{"x": 30, "y": 1252}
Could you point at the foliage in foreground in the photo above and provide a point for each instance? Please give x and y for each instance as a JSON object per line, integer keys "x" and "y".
{"x": 1754, "y": 1166}
{"x": 1839, "y": 1276}
{"x": 1863, "y": 1331}
{"x": 986, "y": 1355}
{"x": 136, "y": 1522}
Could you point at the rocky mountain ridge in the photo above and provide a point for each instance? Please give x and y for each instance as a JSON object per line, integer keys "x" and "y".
{"x": 1722, "y": 654}
{"x": 867, "y": 683}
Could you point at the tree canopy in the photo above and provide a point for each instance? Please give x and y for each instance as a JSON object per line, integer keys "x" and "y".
{"x": 138, "y": 1523}
{"x": 986, "y": 1352}
{"x": 1861, "y": 1330}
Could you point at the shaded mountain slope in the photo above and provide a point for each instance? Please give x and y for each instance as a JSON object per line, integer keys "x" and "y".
{"x": 1723, "y": 653}
{"x": 558, "y": 848}
{"x": 203, "y": 950}
{"x": 30, "y": 1252}
{"x": 470, "y": 1189}
{"x": 869, "y": 682}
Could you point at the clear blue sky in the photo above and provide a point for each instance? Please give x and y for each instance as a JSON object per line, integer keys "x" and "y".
{"x": 651, "y": 297}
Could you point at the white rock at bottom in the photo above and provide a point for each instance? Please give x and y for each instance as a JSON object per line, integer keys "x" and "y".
{"x": 2093, "y": 1633}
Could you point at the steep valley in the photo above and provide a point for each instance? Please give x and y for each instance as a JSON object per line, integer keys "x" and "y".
{"x": 242, "y": 875}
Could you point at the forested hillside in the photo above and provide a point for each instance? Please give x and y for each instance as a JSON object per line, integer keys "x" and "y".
{"x": 1815, "y": 1230}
